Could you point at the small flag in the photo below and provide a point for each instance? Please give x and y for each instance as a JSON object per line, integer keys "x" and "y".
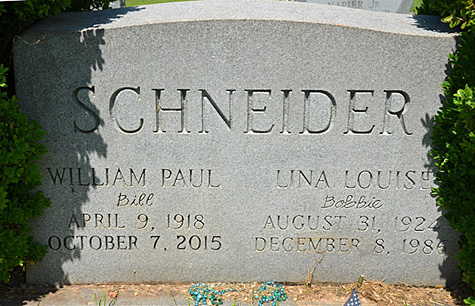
{"x": 354, "y": 300}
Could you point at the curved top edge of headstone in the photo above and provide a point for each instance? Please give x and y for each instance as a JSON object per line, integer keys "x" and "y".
{"x": 249, "y": 10}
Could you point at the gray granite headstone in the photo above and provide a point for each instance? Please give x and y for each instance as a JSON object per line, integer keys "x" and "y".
{"x": 237, "y": 141}
{"x": 388, "y": 6}
{"x": 117, "y": 4}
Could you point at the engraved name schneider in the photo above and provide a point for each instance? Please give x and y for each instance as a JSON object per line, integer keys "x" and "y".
{"x": 319, "y": 109}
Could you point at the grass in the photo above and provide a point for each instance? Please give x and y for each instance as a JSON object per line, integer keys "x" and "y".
{"x": 415, "y": 4}
{"x": 103, "y": 301}
{"x": 145, "y": 2}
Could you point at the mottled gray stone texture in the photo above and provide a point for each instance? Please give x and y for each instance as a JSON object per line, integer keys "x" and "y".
{"x": 237, "y": 141}
{"x": 388, "y": 6}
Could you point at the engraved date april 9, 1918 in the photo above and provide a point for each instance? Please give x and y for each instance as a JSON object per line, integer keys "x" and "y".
{"x": 175, "y": 221}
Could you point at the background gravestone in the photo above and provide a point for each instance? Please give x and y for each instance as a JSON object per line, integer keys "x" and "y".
{"x": 117, "y": 4}
{"x": 237, "y": 141}
{"x": 388, "y": 6}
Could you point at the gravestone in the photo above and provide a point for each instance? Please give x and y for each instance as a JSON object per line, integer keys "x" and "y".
{"x": 117, "y": 4}
{"x": 237, "y": 141}
{"x": 388, "y": 6}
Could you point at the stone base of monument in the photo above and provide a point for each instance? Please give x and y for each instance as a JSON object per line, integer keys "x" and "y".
{"x": 371, "y": 294}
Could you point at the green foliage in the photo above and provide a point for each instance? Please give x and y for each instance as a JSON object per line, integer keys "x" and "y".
{"x": 103, "y": 302}
{"x": 454, "y": 132}
{"x": 87, "y": 5}
{"x": 19, "y": 146}
{"x": 19, "y": 175}
{"x": 470, "y": 301}
{"x": 454, "y": 153}
{"x": 17, "y": 16}
{"x": 457, "y": 13}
